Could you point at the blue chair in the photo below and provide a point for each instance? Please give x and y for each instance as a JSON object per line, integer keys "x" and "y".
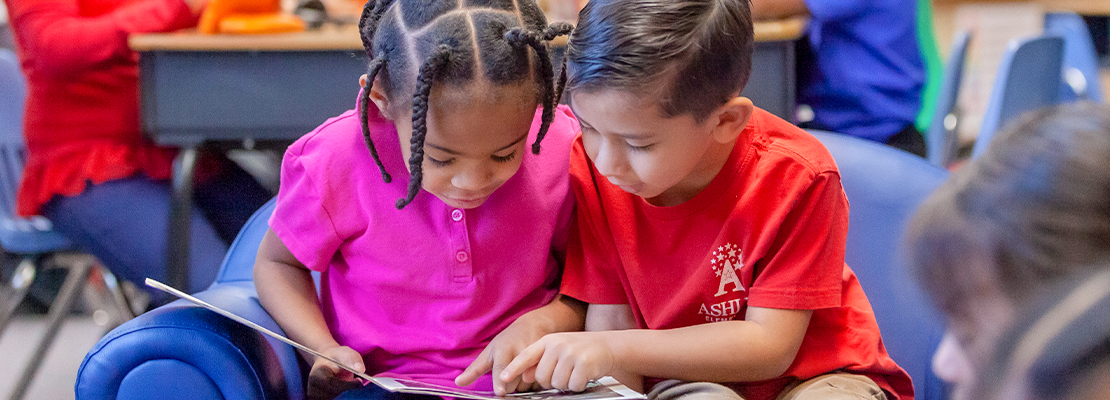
{"x": 182, "y": 351}
{"x": 33, "y": 239}
{"x": 884, "y": 187}
{"x": 1028, "y": 78}
{"x": 941, "y": 139}
{"x": 1081, "y": 76}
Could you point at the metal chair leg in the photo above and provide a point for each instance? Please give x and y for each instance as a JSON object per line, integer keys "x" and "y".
{"x": 21, "y": 281}
{"x": 124, "y": 307}
{"x": 62, "y": 306}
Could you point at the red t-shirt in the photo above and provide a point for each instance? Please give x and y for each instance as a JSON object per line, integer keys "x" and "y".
{"x": 82, "y": 116}
{"x": 769, "y": 231}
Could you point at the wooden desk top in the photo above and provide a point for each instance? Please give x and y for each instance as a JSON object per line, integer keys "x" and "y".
{"x": 347, "y": 38}
{"x": 1086, "y": 7}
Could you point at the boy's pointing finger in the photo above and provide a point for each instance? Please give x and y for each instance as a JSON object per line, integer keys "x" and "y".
{"x": 523, "y": 361}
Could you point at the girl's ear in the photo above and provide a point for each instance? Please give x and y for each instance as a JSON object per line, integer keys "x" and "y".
{"x": 378, "y": 96}
{"x": 732, "y": 118}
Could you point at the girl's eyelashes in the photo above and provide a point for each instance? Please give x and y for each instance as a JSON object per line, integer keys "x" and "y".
{"x": 641, "y": 148}
{"x": 439, "y": 163}
{"x": 505, "y": 158}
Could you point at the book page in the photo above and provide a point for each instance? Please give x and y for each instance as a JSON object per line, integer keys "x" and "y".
{"x": 604, "y": 388}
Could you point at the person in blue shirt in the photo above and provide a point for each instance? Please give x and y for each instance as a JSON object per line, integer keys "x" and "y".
{"x": 860, "y": 68}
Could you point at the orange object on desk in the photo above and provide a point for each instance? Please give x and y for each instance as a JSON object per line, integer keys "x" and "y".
{"x": 247, "y": 16}
{"x": 261, "y": 23}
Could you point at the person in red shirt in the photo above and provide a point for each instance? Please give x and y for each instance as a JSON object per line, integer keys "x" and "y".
{"x": 90, "y": 169}
{"x": 710, "y": 234}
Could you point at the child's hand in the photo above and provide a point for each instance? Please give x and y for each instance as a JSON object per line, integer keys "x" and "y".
{"x": 327, "y": 380}
{"x": 563, "y": 361}
{"x": 500, "y": 351}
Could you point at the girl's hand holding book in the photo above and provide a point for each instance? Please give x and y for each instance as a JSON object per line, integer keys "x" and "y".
{"x": 327, "y": 380}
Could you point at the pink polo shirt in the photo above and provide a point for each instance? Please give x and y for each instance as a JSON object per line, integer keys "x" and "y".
{"x": 421, "y": 291}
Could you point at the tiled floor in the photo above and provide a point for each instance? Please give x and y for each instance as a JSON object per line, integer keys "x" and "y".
{"x": 58, "y": 373}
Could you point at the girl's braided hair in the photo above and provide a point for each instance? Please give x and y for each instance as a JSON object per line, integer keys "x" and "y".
{"x": 458, "y": 41}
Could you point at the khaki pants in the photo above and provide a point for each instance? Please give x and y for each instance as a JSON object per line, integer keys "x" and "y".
{"x": 824, "y": 387}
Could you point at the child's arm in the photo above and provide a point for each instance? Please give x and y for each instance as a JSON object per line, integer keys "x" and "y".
{"x": 287, "y": 292}
{"x": 564, "y": 314}
{"x": 759, "y": 348}
{"x": 614, "y": 317}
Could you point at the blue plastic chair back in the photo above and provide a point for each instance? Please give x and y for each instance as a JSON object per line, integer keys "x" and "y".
{"x": 18, "y": 235}
{"x": 940, "y": 140}
{"x": 1081, "y": 76}
{"x": 884, "y": 188}
{"x": 238, "y": 264}
{"x": 1028, "y": 78}
{"x": 13, "y": 95}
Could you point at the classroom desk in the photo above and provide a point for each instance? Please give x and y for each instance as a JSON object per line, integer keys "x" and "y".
{"x": 1085, "y": 7}
{"x": 244, "y": 90}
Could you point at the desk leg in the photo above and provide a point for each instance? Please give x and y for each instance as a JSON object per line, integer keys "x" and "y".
{"x": 180, "y": 224}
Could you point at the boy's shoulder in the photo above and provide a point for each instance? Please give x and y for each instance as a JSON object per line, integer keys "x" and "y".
{"x": 782, "y": 143}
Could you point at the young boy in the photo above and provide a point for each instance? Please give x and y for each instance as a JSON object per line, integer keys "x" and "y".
{"x": 713, "y": 227}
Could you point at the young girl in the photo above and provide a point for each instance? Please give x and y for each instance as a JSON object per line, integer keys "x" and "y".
{"x": 1034, "y": 209}
{"x": 1058, "y": 348}
{"x": 420, "y": 268}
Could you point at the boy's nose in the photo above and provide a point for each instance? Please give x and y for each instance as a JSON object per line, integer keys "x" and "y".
{"x": 609, "y": 160}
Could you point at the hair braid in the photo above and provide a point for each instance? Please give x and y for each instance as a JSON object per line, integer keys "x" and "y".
{"x": 535, "y": 41}
{"x": 368, "y": 22}
{"x": 364, "y": 115}
{"x": 423, "y": 91}
{"x": 555, "y": 30}
{"x": 561, "y": 86}
{"x": 367, "y": 11}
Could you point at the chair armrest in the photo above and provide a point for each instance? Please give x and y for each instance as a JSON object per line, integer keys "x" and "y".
{"x": 181, "y": 350}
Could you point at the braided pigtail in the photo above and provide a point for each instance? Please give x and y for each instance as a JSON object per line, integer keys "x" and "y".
{"x": 364, "y": 115}
{"x": 368, "y": 21}
{"x": 367, "y": 24}
{"x": 518, "y": 36}
{"x": 555, "y": 30}
{"x": 561, "y": 85}
{"x": 367, "y": 40}
{"x": 428, "y": 71}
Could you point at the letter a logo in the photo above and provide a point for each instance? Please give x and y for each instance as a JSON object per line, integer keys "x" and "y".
{"x": 726, "y": 261}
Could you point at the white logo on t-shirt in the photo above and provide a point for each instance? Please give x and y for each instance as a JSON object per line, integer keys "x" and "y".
{"x": 725, "y": 262}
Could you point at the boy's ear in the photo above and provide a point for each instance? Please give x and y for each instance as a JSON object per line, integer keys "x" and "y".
{"x": 378, "y": 96}
{"x": 732, "y": 118}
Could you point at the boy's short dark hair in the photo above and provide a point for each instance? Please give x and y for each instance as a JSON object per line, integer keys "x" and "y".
{"x": 701, "y": 48}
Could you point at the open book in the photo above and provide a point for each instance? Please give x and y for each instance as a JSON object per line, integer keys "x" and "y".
{"x": 604, "y": 388}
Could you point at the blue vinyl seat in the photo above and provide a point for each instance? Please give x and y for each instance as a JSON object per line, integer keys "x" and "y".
{"x": 1029, "y": 77}
{"x": 182, "y": 351}
{"x": 884, "y": 187}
